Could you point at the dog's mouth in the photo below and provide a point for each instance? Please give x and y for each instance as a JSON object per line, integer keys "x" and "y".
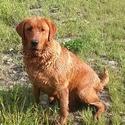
{"x": 34, "y": 48}
{"x": 34, "y": 45}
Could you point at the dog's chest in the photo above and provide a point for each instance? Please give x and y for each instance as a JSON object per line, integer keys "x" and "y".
{"x": 42, "y": 75}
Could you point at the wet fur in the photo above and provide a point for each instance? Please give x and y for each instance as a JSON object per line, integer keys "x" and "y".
{"x": 59, "y": 73}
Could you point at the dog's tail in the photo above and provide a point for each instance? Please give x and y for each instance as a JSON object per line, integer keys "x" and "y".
{"x": 103, "y": 82}
{"x": 105, "y": 78}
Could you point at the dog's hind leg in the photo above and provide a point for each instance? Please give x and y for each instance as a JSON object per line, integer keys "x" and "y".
{"x": 89, "y": 96}
{"x": 100, "y": 109}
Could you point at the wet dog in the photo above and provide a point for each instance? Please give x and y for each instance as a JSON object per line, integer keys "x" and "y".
{"x": 55, "y": 70}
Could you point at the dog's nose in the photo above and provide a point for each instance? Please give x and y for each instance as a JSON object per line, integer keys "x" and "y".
{"x": 34, "y": 42}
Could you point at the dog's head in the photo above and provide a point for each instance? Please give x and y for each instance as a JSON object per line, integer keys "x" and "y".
{"x": 36, "y": 32}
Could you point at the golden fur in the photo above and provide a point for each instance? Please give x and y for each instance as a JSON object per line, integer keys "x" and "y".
{"x": 55, "y": 70}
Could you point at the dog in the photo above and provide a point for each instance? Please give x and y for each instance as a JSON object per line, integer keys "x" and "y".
{"x": 56, "y": 71}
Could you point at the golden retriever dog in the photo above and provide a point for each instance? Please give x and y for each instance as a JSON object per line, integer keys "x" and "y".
{"x": 55, "y": 70}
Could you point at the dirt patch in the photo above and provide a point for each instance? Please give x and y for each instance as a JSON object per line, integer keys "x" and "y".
{"x": 12, "y": 70}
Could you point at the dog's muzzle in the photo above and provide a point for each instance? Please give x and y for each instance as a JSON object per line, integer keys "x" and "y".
{"x": 34, "y": 44}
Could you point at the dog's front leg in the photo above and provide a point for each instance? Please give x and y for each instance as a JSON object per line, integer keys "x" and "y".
{"x": 63, "y": 103}
{"x": 36, "y": 91}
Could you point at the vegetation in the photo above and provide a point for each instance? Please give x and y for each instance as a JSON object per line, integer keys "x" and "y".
{"x": 96, "y": 33}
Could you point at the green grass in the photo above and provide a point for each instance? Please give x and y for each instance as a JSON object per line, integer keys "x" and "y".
{"x": 18, "y": 108}
{"x": 97, "y": 31}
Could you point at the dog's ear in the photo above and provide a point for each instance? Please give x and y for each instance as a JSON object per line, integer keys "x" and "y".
{"x": 20, "y": 28}
{"x": 52, "y": 29}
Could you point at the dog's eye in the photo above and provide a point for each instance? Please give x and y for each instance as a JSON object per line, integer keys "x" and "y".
{"x": 29, "y": 29}
{"x": 42, "y": 29}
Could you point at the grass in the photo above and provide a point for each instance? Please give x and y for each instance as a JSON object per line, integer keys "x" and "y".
{"x": 96, "y": 29}
{"x": 20, "y": 109}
